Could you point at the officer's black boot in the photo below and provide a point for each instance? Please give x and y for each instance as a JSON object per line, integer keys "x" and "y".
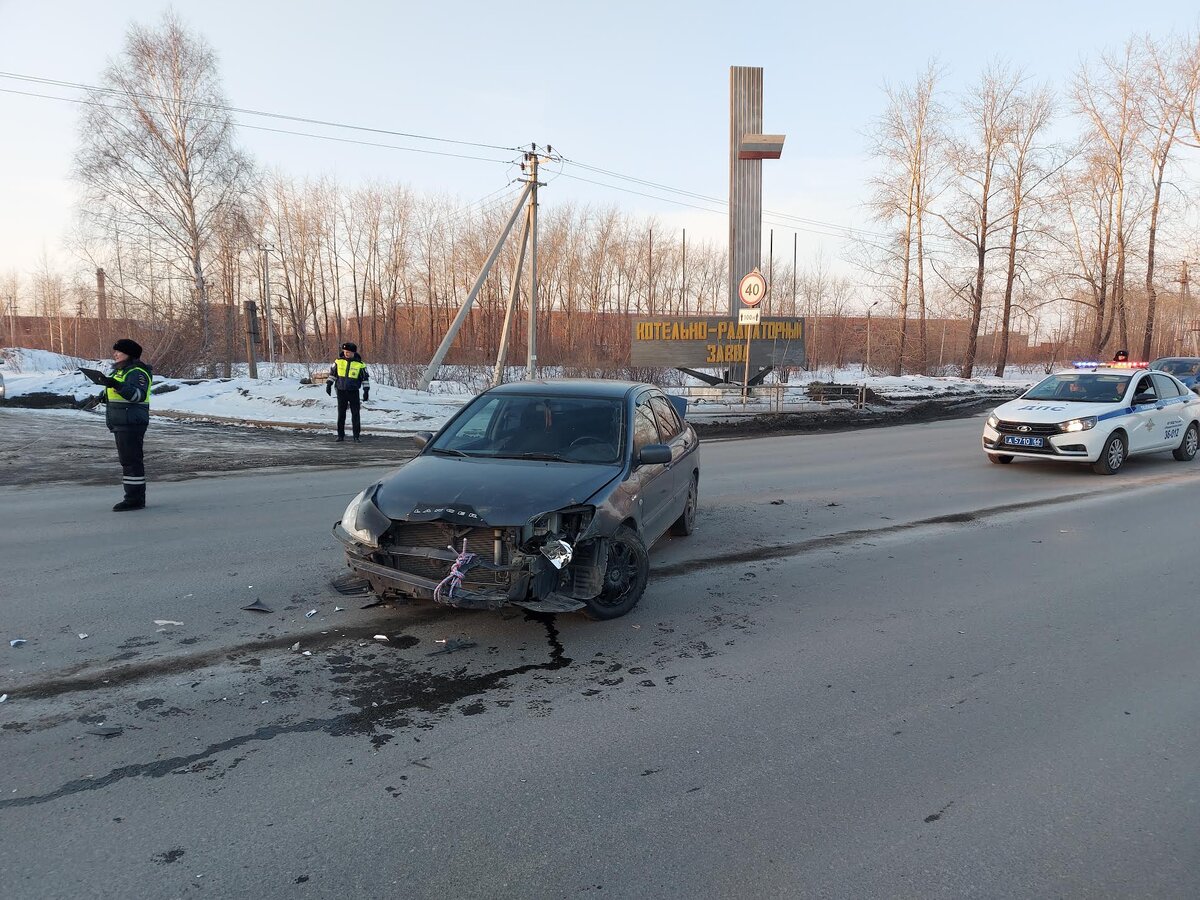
{"x": 133, "y": 500}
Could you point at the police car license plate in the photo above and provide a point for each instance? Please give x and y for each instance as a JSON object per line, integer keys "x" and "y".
{"x": 1012, "y": 440}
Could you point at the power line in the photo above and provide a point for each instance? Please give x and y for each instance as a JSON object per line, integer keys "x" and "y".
{"x": 322, "y": 137}
{"x": 778, "y": 213}
{"x": 248, "y": 112}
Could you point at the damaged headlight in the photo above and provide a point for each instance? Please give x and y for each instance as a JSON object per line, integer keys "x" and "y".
{"x": 558, "y": 552}
{"x": 351, "y": 524}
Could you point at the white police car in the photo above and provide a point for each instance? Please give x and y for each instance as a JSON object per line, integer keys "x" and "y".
{"x": 1098, "y": 414}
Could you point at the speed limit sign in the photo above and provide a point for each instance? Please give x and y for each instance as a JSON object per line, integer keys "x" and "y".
{"x": 753, "y": 288}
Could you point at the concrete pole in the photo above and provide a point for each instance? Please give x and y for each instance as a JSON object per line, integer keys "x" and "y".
{"x": 266, "y": 278}
{"x": 251, "y": 315}
{"x": 498, "y": 372}
{"x": 444, "y": 347}
{"x": 531, "y": 355}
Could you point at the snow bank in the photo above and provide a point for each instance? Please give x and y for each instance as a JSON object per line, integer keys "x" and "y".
{"x": 279, "y": 397}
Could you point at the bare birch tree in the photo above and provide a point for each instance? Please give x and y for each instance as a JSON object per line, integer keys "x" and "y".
{"x": 157, "y": 150}
{"x": 1168, "y": 94}
{"x": 971, "y": 217}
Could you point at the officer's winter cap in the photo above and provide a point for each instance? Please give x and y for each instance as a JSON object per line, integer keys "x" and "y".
{"x": 351, "y": 346}
{"x": 129, "y": 348}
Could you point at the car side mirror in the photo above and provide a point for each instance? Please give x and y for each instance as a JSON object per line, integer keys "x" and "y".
{"x": 1143, "y": 399}
{"x": 421, "y": 438}
{"x": 654, "y": 455}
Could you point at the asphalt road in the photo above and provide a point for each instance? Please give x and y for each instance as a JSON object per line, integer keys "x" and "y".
{"x": 880, "y": 668}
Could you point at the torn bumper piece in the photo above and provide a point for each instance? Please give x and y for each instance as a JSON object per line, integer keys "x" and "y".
{"x": 485, "y": 585}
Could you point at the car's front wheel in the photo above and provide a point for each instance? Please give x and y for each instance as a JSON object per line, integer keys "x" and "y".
{"x": 625, "y": 576}
{"x": 1186, "y": 451}
{"x": 1113, "y": 456}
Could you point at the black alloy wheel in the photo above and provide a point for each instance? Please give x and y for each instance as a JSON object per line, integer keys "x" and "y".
{"x": 625, "y": 576}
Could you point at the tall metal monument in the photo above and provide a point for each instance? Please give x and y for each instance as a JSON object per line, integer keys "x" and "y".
{"x": 748, "y": 147}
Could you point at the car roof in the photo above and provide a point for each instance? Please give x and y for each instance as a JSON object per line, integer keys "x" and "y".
{"x": 1192, "y": 359}
{"x": 571, "y": 387}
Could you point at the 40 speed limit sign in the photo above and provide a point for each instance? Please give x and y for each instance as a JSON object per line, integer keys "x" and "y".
{"x": 752, "y": 288}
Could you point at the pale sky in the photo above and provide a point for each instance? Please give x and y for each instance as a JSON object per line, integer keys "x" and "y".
{"x": 639, "y": 88}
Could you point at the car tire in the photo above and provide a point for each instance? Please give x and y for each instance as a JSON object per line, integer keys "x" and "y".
{"x": 1113, "y": 456}
{"x": 1186, "y": 451}
{"x": 686, "y": 523}
{"x": 625, "y": 576}
{"x": 1002, "y": 459}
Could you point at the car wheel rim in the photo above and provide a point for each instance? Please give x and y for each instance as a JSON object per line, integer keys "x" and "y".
{"x": 620, "y": 576}
{"x": 1116, "y": 454}
{"x": 1192, "y": 441}
{"x": 690, "y": 511}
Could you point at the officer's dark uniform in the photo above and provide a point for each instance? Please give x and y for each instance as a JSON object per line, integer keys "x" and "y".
{"x": 127, "y": 395}
{"x": 348, "y": 375}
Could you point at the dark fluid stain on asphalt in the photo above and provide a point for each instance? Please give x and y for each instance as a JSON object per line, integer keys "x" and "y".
{"x": 151, "y": 703}
{"x": 168, "y": 857}
{"x": 387, "y": 695}
{"x": 937, "y": 815}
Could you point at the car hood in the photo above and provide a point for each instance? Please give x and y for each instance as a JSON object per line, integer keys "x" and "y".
{"x": 501, "y": 491}
{"x": 1045, "y": 412}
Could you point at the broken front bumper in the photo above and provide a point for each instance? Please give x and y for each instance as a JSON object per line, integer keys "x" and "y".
{"x": 530, "y": 581}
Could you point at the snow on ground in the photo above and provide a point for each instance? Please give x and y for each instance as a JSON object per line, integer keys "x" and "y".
{"x": 279, "y": 398}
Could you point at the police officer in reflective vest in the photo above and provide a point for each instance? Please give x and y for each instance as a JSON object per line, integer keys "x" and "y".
{"x": 348, "y": 374}
{"x": 127, "y": 414}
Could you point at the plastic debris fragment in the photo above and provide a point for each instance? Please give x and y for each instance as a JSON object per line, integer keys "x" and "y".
{"x": 258, "y": 606}
{"x": 381, "y": 637}
{"x": 17, "y": 642}
{"x": 452, "y": 645}
{"x": 106, "y": 731}
{"x": 310, "y": 614}
{"x": 295, "y": 646}
{"x": 166, "y": 622}
{"x": 82, "y": 636}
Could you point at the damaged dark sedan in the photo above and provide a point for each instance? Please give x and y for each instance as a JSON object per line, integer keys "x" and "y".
{"x": 540, "y": 494}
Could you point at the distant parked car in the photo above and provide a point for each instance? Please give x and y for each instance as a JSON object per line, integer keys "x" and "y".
{"x": 1185, "y": 368}
{"x": 540, "y": 494}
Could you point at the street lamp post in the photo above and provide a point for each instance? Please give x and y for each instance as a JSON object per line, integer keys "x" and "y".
{"x": 867, "y": 364}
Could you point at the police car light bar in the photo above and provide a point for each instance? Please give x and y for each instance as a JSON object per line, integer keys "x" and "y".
{"x": 1091, "y": 364}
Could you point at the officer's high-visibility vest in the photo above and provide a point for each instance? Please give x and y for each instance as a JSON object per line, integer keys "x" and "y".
{"x": 112, "y": 396}
{"x": 349, "y": 368}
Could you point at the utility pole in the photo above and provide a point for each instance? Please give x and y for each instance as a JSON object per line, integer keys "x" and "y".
{"x": 444, "y": 346}
{"x": 251, "y": 336}
{"x": 683, "y": 276}
{"x": 266, "y": 280}
{"x": 531, "y": 358}
{"x": 1183, "y": 302}
{"x": 514, "y": 292}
